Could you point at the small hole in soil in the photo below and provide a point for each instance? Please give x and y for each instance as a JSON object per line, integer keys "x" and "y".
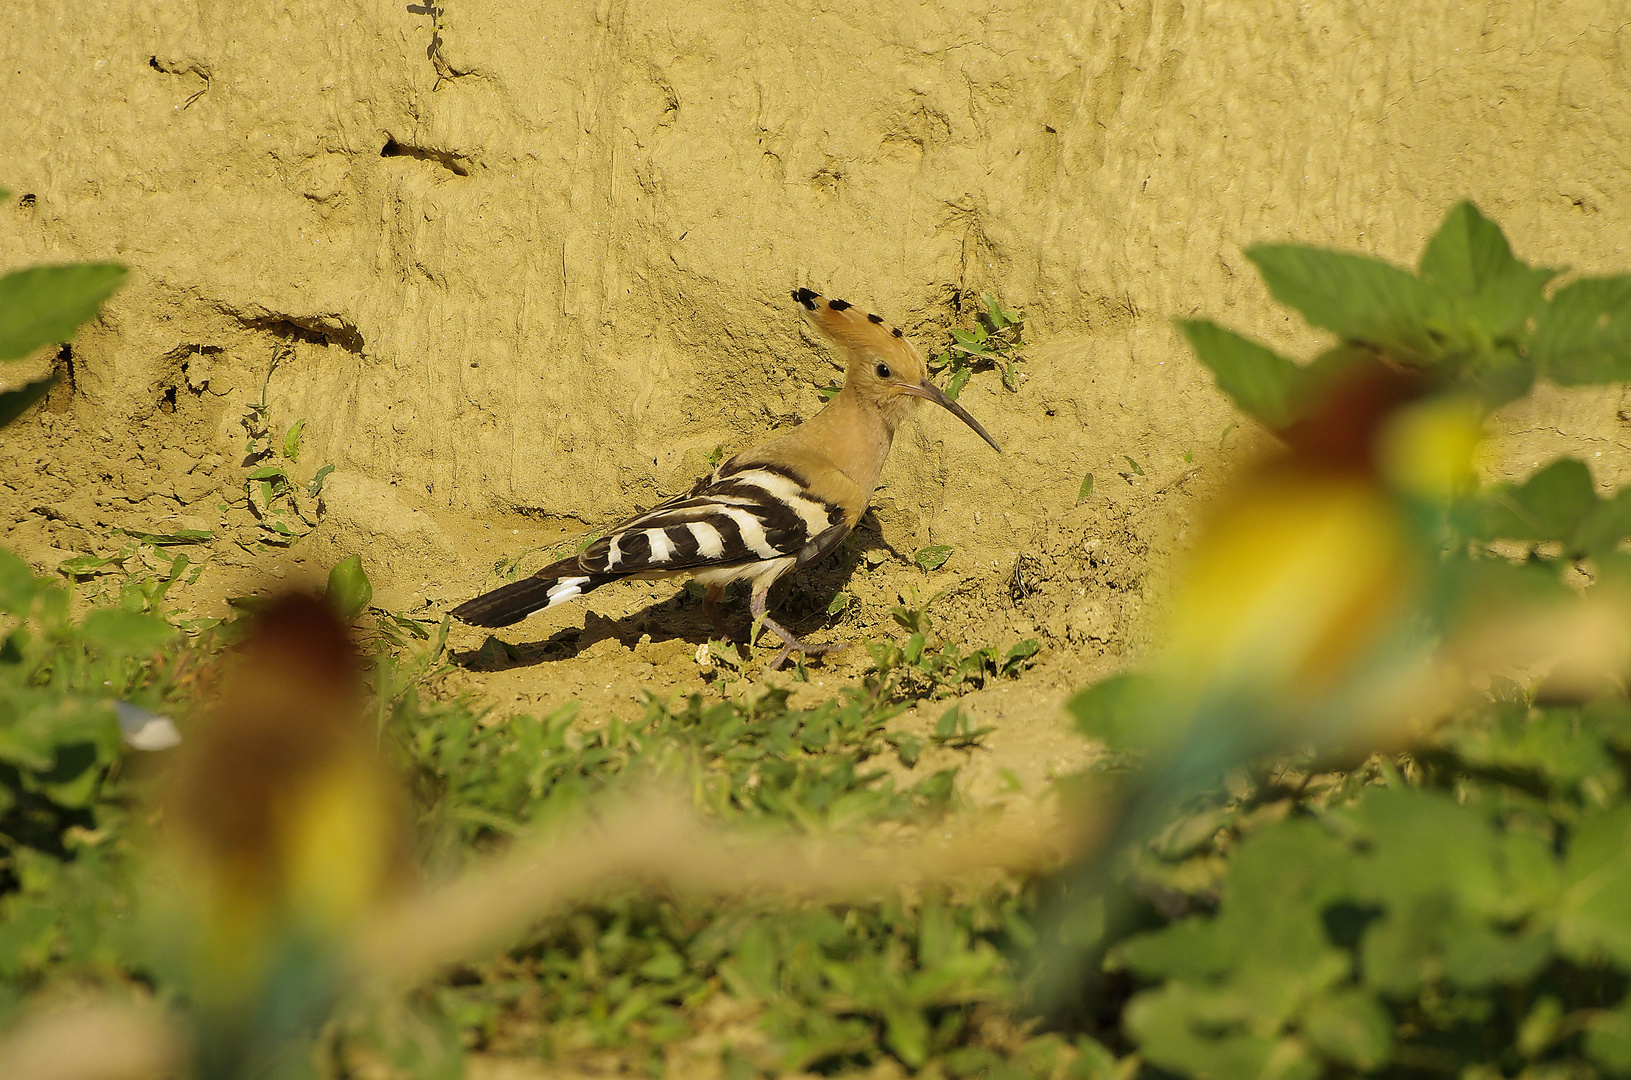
{"x": 393, "y": 149}
{"x": 60, "y": 398}
{"x": 153, "y": 62}
{"x": 167, "y": 400}
{"x": 26, "y": 201}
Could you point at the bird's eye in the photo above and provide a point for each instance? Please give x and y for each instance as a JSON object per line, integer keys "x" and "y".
{"x": 883, "y": 371}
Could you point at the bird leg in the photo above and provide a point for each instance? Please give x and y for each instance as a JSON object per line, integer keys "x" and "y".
{"x": 790, "y": 643}
{"x": 710, "y": 608}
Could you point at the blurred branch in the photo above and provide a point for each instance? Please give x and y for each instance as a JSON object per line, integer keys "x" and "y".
{"x": 97, "y": 1042}
{"x": 660, "y": 841}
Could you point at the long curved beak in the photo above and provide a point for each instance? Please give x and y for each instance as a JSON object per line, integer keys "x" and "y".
{"x": 930, "y": 392}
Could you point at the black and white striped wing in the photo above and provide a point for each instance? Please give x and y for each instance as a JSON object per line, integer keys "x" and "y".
{"x": 741, "y": 514}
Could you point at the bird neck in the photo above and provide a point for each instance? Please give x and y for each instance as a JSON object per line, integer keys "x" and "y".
{"x": 853, "y": 434}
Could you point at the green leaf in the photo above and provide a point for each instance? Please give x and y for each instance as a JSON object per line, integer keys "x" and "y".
{"x": 1584, "y": 334}
{"x": 1261, "y": 382}
{"x": 127, "y": 632}
{"x": 1551, "y": 505}
{"x": 839, "y": 602}
{"x": 906, "y": 1031}
{"x": 1357, "y": 298}
{"x": 180, "y": 536}
{"x": 268, "y": 472}
{"x": 316, "y": 486}
{"x": 349, "y": 589}
{"x": 932, "y": 557}
{"x": 14, "y": 403}
{"x": 84, "y": 565}
{"x": 1597, "y": 871}
{"x": 1086, "y": 489}
{"x": 1350, "y": 1027}
{"x": 1608, "y": 1039}
{"x": 1467, "y": 253}
{"x": 993, "y": 311}
{"x": 46, "y": 304}
{"x": 291, "y": 440}
{"x": 1602, "y": 529}
{"x": 1124, "y": 712}
{"x": 18, "y": 585}
{"x": 1133, "y": 465}
{"x": 1470, "y": 262}
{"x": 1020, "y": 650}
{"x": 959, "y": 379}
{"x": 1198, "y": 1033}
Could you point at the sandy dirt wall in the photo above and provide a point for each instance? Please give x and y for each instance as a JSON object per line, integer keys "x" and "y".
{"x": 536, "y": 255}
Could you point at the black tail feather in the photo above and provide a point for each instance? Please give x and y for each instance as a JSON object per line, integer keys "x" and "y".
{"x": 506, "y": 604}
{"x": 511, "y": 603}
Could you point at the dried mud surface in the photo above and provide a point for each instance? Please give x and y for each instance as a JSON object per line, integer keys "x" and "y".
{"x": 521, "y": 267}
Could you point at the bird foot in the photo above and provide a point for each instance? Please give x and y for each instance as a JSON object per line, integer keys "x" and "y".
{"x": 805, "y": 650}
{"x": 793, "y": 644}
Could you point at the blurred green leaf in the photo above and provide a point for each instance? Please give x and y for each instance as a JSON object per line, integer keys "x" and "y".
{"x": 1584, "y": 334}
{"x": 1468, "y": 252}
{"x": 14, "y": 403}
{"x": 1550, "y": 505}
{"x": 1601, "y": 530}
{"x": 1594, "y": 921}
{"x": 1086, "y": 489}
{"x": 46, "y": 304}
{"x": 1198, "y": 1032}
{"x": 1608, "y": 1039}
{"x": 1350, "y": 1028}
{"x": 349, "y": 589}
{"x": 1259, "y": 381}
{"x": 126, "y": 632}
{"x": 1123, "y": 712}
{"x": 18, "y": 585}
{"x": 1133, "y": 465}
{"x": 1470, "y": 261}
{"x": 1357, "y": 298}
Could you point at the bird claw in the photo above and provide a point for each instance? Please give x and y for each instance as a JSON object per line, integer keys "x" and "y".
{"x": 804, "y": 649}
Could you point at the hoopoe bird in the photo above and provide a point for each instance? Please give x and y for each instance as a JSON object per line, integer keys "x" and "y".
{"x": 767, "y": 511}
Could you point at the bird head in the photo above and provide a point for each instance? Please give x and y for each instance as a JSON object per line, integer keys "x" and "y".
{"x": 883, "y": 371}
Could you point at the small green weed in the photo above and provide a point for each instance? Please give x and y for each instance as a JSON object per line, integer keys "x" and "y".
{"x": 924, "y": 667}
{"x": 991, "y": 343}
{"x": 285, "y": 509}
{"x": 933, "y": 557}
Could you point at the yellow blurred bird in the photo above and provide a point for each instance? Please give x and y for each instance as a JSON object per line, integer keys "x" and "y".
{"x": 284, "y": 832}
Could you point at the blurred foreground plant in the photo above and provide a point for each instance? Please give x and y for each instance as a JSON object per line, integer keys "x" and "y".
{"x": 283, "y": 834}
{"x": 1344, "y": 596}
{"x": 44, "y": 305}
{"x": 277, "y": 890}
